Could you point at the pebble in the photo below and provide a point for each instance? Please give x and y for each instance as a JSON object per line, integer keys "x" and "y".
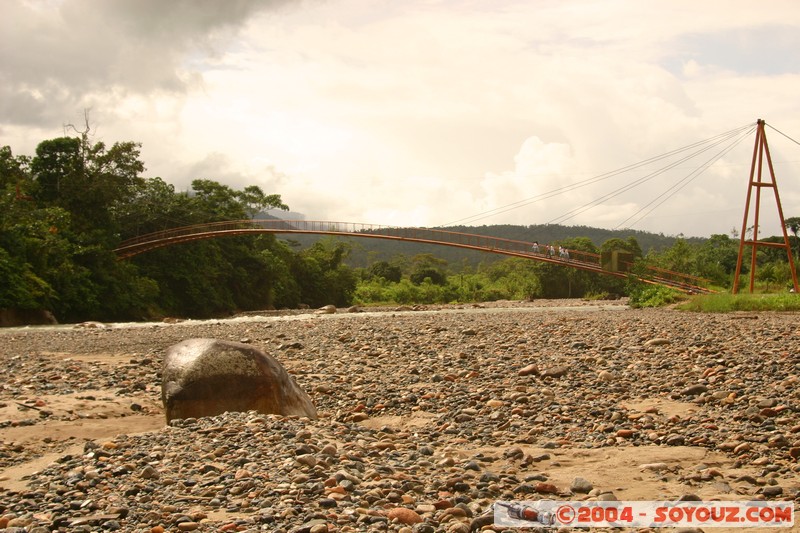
{"x": 581, "y": 486}
{"x": 426, "y": 418}
{"x": 404, "y": 515}
{"x": 556, "y": 372}
{"x": 694, "y": 390}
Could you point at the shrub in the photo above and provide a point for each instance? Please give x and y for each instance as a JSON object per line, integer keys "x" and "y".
{"x": 642, "y": 295}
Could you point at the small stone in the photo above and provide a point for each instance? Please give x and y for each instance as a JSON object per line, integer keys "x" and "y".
{"x": 654, "y": 467}
{"x": 242, "y": 473}
{"x": 545, "y": 488}
{"x": 742, "y": 448}
{"x": 605, "y": 375}
{"x": 694, "y": 390}
{"x": 149, "y": 472}
{"x": 657, "y": 342}
{"x": 529, "y": 370}
{"x": 188, "y": 526}
{"x": 607, "y": 497}
{"x": 675, "y": 440}
{"x": 581, "y": 486}
{"x": 329, "y": 449}
{"x": 404, "y": 515}
{"x": 556, "y": 372}
{"x": 459, "y": 527}
{"x": 327, "y": 503}
{"x": 625, "y": 433}
{"x": 306, "y": 459}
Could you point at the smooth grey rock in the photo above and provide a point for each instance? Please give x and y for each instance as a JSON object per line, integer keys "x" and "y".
{"x": 206, "y": 377}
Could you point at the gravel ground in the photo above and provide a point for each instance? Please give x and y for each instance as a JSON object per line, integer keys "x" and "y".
{"x": 427, "y": 417}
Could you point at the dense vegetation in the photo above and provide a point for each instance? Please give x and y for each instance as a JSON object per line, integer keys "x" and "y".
{"x": 65, "y": 209}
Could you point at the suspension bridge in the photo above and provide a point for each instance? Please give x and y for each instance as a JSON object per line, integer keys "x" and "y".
{"x": 616, "y": 265}
{"x": 577, "y": 259}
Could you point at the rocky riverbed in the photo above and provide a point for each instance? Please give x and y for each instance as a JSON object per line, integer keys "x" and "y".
{"x": 427, "y": 417}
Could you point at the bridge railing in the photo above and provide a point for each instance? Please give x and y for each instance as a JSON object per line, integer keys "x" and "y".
{"x": 432, "y": 235}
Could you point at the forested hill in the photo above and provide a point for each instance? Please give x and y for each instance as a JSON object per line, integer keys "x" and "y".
{"x": 367, "y": 251}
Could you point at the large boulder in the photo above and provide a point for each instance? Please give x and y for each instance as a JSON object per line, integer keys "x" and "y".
{"x": 206, "y": 377}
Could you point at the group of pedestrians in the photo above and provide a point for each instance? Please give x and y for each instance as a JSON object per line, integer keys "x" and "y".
{"x": 550, "y": 251}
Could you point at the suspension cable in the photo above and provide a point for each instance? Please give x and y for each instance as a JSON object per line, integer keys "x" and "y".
{"x": 600, "y": 177}
{"x": 616, "y": 192}
{"x": 779, "y": 131}
{"x": 686, "y": 180}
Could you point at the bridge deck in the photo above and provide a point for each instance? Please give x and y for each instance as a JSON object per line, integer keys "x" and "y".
{"x": 577, "y": 259}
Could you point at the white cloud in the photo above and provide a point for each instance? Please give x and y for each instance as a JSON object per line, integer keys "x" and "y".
{"x": 419, "y": 112}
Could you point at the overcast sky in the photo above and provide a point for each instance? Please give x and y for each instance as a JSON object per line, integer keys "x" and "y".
{"x": 423, "y": 112}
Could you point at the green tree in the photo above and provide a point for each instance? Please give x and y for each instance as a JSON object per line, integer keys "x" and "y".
{"x": 716, "y": 259}
{"x": 385, "y": 270}
{"x": 793, "y": 225}
{"x": 88, "y": 180}
{"x": 428, "y": 266}
{"x": 219, "y": 202}
{"x": 322, "y": 276}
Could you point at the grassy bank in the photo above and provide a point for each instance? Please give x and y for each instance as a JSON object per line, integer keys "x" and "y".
{"x": 726, "y": 303}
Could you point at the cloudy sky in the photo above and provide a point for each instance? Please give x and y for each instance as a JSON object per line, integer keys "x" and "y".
{"x": 426, "y": 112}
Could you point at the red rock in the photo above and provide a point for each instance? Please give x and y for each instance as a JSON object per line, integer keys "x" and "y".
{"x": 625, "y": 433}
{"x": 443, "y": 504}
{"x": 404, "y": 516}
{"x": 530, "y": 370}
{"x": 242, "y": 474}
{"x": 546, "y": 488}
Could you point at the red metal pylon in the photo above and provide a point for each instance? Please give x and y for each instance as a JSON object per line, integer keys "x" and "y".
{"x": 759, "y": 150}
